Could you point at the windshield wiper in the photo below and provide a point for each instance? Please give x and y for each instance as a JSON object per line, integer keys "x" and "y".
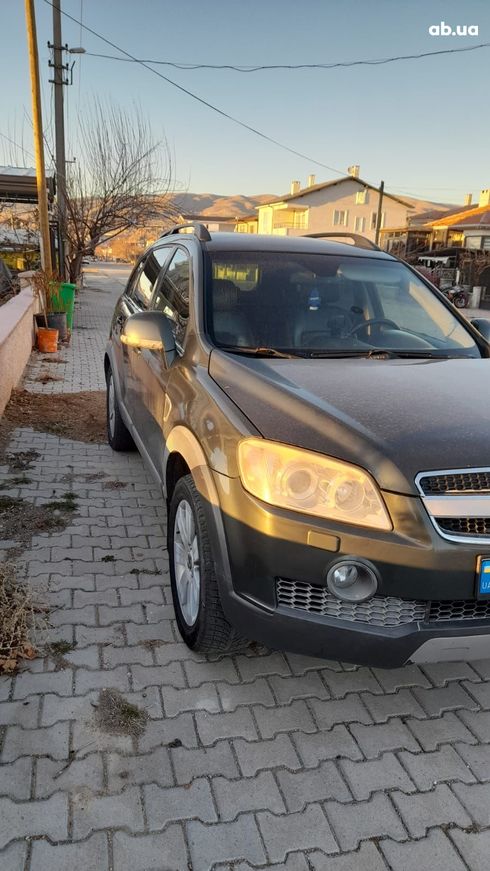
{"x": 382, "y": 354}
{"x": 259, "y": 352}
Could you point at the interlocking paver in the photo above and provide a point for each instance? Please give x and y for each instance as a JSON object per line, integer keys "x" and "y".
{"x": 13, "y": 858}
{"x": 286, "y": 689}
{"x": 448, "y": 698}
{"x": 326, "y": 745}
{"x": 353, "y": 823}
{"x": 256, "y": 693}
{"x": 50, "y": 741}
{"x": 212, "y": 727}
{"x": 376, "y": 775}
{"x": 49, "y": 817}
{"x": 122, "y": 810}
{"x": 296, "y": 831}
{"x": 217, "y": 759}
{"x": 256, "y": 755}
{"x": 20, "y": 713}
{"x": 28, "y": 684}
{"x": 427, "y": 769}
{"x": 152, "y": 767}
{"x": 70, "y": 777}
{"x": 474, "y": 848}
{"x": 366, "y": 858}
{"x": 300, "y": 788}
{"x": 194, "y": 801}
{"x": 224, "y": 842}
{"x": 375, "y": 740}
{"x": 162, "y": 733}
{"x": 440, "y": 730}
{"x": 348, "y": 710}
{"x": 152, "y": 852}
{"x": 15, "y": 779}
{"x": 293, "y": 717}
{"x": 477, "y": 757}
{"x": 429, "y": 809}
{"x": 247, "y": 794}
{"x": 434, "y": 851}
{"x": 91, "y": 855}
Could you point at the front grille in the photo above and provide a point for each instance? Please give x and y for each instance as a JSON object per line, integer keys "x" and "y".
{"x": 378, "y": 611}
{"x": 466, "y": 609}
{"x": 471, "y": 526}
{"x": 455, "y": 482}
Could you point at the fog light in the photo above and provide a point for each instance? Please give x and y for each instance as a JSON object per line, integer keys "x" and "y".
{"x": 352, "y": 580}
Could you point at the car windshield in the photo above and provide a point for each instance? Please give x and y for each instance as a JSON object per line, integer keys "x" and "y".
{"x": 275, "y": 303}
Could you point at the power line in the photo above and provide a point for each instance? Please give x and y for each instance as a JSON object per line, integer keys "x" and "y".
{"x": 20, "y": 147}
{"x": 222, "y": 113}
{"x": 316, "y": 66}
{"x": 201, "y": 99}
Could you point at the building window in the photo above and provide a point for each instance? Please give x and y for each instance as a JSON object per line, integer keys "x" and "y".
{"x": 360, "y": 225}
{"x": 374, "y": 218}
{"x": 300, "y": 220}
{"x": 362, "y": 197}
{"x": 340, "y": 218}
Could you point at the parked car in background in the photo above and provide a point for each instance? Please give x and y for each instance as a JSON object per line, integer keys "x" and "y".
{"x": 316, "y": 414}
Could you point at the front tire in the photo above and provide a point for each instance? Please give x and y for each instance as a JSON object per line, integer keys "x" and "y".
{"x": 200, "y": 617}
{"x": 118, "y": 434}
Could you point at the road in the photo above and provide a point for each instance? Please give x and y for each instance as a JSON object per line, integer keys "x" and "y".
{"x": 258, "y": 760}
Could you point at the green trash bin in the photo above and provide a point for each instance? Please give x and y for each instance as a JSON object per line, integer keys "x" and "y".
{"x": 67, "y": 297}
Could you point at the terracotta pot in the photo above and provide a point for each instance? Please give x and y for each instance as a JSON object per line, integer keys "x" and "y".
{"x": 47, "y": 340}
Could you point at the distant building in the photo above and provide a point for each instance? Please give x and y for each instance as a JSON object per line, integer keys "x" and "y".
{"x": 348, "y": 204}
{"x": 465, "y": 226}
{"x": 213, "y": 223}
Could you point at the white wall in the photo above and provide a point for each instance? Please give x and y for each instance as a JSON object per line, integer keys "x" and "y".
{"x": 16, "y": 340}
{"x": 322, "y": 204}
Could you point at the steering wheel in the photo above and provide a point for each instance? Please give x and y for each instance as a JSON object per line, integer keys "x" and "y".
{"x": 371, "y": 323}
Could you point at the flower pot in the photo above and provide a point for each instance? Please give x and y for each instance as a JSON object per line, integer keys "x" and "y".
{"x": 47, "y": 340}
{"x": 57, "y": 320}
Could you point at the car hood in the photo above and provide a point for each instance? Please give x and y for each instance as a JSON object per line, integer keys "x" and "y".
{"x": 393, "y": 417}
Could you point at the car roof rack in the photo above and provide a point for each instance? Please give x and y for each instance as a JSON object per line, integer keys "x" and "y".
{"x": 359, "y": 241}
{"x": 201, "y": 232}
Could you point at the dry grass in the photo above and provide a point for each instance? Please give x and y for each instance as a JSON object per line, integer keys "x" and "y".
{"x": 19, "y": 617}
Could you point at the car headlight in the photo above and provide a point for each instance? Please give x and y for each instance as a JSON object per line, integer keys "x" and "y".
{"x": 303, "y": 481}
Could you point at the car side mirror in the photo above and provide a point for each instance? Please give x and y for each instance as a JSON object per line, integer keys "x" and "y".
{"x": 483, "y": 327}
{"x": 149, "y": 331}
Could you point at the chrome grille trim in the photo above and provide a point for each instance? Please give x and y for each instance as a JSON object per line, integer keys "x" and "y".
{"x": 380, "y": 610}
{"x": 457, "y": 496}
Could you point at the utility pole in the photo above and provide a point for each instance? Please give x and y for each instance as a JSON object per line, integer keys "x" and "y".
{"x": 59, "y": 125}
{"x": 380, "y": 211}
{"x": 37, "y": 124}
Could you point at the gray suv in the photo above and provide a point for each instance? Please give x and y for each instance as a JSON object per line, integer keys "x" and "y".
{"x": 316, "y": 414}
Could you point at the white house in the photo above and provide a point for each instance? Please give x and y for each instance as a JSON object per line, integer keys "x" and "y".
{"x": 348, "y": 204}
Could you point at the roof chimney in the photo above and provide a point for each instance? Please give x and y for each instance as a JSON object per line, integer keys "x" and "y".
{"x": 295, "y": 187}
{"x": 467, "y": 200}
{"x": 354, "y": 170}
{"x": 484, "y": 197}
{"x": 311, "y": 180}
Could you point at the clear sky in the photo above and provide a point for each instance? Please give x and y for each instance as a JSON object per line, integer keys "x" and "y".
{"x": 421, "y": 125}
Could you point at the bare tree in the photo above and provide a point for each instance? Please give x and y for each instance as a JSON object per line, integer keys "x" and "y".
{"x": 120, "y": 181}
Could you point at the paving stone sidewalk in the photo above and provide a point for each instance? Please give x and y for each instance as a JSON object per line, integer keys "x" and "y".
{"x": 260, "y": 760}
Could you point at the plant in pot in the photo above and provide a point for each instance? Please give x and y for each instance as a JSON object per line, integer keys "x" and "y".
{"x": 53, "y": 316}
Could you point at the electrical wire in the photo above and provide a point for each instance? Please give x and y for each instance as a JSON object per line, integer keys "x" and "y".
{"x": 291, "y": 67}
{"x": 145, "y": 64}
{"x": 201, "y": 99}
{"x": 20, "y": 147}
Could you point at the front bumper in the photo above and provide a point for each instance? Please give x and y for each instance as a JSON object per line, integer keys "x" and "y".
{"x": 264, "y": 544}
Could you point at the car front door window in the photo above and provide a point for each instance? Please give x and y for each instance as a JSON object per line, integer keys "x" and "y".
{"x": 172, "y": 295}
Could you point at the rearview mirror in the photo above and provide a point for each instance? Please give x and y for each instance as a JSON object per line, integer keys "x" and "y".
{"x": 483, "y": 327}
{"x": 148, "y": 331}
